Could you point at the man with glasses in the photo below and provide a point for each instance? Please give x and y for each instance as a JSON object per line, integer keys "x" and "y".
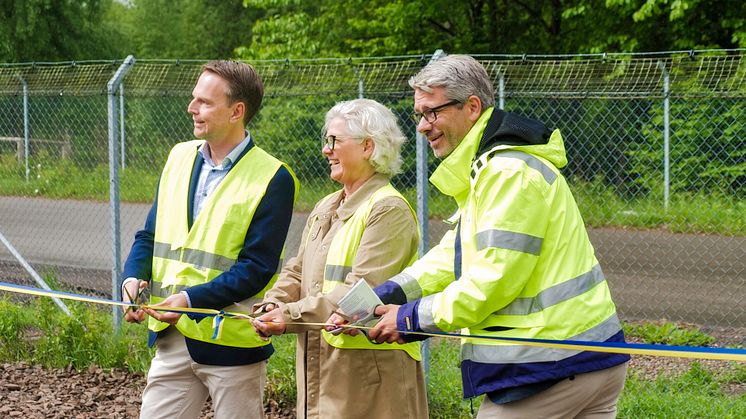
{"x": 517, "y": 264}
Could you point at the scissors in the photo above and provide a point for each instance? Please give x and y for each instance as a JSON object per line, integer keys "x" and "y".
{"x": 135, "y": 301}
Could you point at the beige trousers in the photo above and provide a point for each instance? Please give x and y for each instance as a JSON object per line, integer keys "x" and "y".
{"x": 178, "y": 387}
{"x": 591, "y": 395}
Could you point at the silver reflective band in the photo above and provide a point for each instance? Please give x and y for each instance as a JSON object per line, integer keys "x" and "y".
{"x": 208, "y": 260}
{"x": 519, "y": 354}
{"x": 555, "y": 294}
{"x": 509, "y": 240}
{"x": 198, "y": 258}
{"x": 531, "y": 162}
{"x": 425, "y": 315}
{"x": 163, "y": 250}
{"x": 336, "y": 273}
{"x": 412, "y": 289}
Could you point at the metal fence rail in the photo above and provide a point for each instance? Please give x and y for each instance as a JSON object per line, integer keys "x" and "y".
{"x": 656, "y": 145}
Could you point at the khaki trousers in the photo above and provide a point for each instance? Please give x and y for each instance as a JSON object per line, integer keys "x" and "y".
{"x": 591, "y": 395}
{"x": 178, "y": 387}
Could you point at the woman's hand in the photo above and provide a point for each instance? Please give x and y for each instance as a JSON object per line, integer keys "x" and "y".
{"x": 337, "y": 324}
{"x": 269, "y": 324}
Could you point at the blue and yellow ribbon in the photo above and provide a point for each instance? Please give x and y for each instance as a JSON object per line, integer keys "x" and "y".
{"x": 724, "y": 354}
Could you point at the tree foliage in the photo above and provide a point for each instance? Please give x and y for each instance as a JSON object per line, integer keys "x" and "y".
{"x": 293, "y": 29}
{"x": 58, "y": 30}
{"x": 189, "y": 29}
{"x": 51, "y": 30}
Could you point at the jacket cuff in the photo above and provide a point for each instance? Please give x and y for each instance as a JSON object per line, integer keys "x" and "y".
{"x": 407, "y": 321}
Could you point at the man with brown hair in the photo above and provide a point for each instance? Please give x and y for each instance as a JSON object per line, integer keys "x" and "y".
{"x": 213, "y": 239}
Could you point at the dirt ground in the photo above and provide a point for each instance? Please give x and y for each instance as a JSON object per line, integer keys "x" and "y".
{"x": 28, "y": 391}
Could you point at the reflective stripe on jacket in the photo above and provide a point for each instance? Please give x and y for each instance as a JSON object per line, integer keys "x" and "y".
{"x": 184, "y": 257}
{"x": 339, "y": 261}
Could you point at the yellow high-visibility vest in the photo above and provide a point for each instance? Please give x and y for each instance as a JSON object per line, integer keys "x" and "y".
{"x": 184, "y": 257}
{"x": 339, "y": 261}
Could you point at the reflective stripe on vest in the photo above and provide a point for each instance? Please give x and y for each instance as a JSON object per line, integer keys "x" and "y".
{"x": 184, "y": 257}
{"x": 339, "y": 261}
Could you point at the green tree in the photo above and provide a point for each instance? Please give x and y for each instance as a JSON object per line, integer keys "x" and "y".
{"x": 189, "y": 29}
{"x": 57, "y": 30}
{"x": 297, "y": 29}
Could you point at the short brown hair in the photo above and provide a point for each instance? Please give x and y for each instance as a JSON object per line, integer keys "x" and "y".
{"x": 244, "y": 84}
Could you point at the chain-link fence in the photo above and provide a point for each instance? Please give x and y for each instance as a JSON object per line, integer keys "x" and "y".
{"x": 656, "y": 148}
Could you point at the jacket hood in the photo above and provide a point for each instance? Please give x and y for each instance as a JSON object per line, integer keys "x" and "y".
{"x": 496, "y": 128}
{"x": 517, "y": 132}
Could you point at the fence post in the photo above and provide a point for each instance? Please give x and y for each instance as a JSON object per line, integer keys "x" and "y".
{"x": 501, "y": 91}
{"x": 422, "y": 218}
{"x": 360, "y": 82}
{"x": 25, "y": 124}
{"x": 121, "y": 125}
{"x": 666, "y": 133}
{"x": 116, "y": 243}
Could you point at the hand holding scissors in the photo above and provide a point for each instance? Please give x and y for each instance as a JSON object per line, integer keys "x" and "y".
{"x": 134, "y": 314}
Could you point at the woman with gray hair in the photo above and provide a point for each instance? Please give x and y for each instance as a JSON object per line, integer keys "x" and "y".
{"x": 366, "y": 231}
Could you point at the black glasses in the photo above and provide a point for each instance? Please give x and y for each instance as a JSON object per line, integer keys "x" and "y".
{"x": 431, "y": 115}
{"x": 329, "y": 141}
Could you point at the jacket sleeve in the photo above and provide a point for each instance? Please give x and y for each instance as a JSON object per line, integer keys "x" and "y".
{"x": 380, "y": 255}
{"x": 510, "y": 219}
{"x": 139, "y": 263}
{"x": 259, "y": 259}
{"x": 430, "y": 274}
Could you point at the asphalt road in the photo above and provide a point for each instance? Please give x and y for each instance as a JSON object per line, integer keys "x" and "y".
{"x": 653, "y": 274}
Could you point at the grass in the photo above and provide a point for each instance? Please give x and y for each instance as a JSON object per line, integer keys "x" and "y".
{"x": 601, "y": 207}
{"x": 599, "y": 204}
{"x": 36, "y": 331}
{"x": 667, "y": 333}
{"x": 694, "y": 394}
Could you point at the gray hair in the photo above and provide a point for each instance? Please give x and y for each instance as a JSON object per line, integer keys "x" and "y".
{"x": 367, "y": 118}
{"x": 460, "y": 76}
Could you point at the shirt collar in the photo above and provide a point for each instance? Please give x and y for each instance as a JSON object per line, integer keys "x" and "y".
{"x": 352, "y": 202}
{"x": 231, "y": 157}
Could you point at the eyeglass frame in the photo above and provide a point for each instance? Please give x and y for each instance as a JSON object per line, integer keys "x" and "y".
{"x": 417, "y": 116}
{"x": 325, "y": 141}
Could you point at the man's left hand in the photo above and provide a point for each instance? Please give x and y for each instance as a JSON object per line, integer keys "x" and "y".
{"x": 385, "y": 330}
{"x": 175, "y": 300}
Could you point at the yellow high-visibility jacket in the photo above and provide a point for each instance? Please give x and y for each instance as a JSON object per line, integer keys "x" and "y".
{"x": 518, "y": 263}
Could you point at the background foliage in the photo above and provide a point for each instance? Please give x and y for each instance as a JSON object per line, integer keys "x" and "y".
{"x": 53, "y": 30}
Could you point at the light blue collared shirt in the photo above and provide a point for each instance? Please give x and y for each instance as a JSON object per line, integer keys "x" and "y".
{"x": 211, "y": 174}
